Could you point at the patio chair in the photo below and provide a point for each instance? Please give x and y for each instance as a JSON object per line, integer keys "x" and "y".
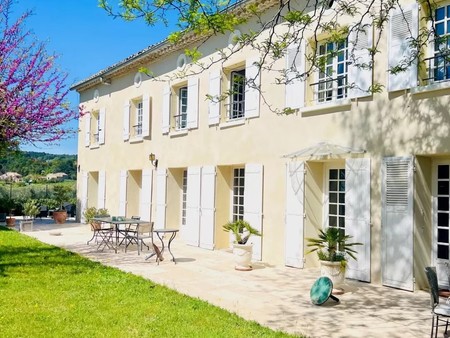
{"x": 137, "y": 234}
{"x": 437, "y": 310}
{"x": 96, "y": 227}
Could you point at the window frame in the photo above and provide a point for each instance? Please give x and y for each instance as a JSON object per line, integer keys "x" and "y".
{"x": 237, "y": 193}
{"x": 182, "y": 108}
{"x": 236, "y": 105}
{"x": 340, "y": 201}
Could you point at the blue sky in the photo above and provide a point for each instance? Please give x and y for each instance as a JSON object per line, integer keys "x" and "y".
{"x": 87, "y": 40}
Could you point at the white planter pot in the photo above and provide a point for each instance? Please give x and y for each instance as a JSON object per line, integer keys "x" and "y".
{"x": 243, "y": 256}
{"x": 334, "y": 271}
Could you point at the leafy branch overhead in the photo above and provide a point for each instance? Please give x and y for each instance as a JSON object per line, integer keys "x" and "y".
{"x": 277, "y": 26}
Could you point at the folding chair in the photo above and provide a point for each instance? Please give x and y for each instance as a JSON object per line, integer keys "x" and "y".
{"x": 437, "y": 310}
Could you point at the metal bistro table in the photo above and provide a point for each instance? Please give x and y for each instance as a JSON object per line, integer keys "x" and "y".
{"x": 117, "y": 222}
{"x": 173, "y": 233}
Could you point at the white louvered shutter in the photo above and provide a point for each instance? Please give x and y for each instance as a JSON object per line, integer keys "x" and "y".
{"x": 165, "y": 124}
{"x": 357, "y": 215}
{"x": 295, "y": 66}
{"x": 207, "y": 205}
{"x": 359, "y": 43}
{"x": 101, "y": 125}
{"x": 192, "y": 228}
{"x": 253, "y": 201}
{"x": 87, "y": 129}
{"x": 123, "y": 193}
{"x": 214, "y": 91}
{"x": 146, "y": 111}
{"x": 192, "y": 108}
{"x": 397, "y": 222}
{"x": 146, "y": 195}
{"x": 403, "y": 25}
{"x": 253, "y": 78}
{"x": 126, "y": 121}
{"x": 294, "y": 221}
{"x": 84, "y": 193}
{"x": 161, "y": 186}
{"x": 101, "y": 189}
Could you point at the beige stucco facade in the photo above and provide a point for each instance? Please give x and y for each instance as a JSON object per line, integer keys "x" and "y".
{"x": 412, "y": 123}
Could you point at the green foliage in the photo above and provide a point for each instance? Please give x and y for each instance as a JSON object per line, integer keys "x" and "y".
{"x": 31, "y": 208}
{"x": 241, "y": 230}
{"x": 50, "y": 292}
{"x": 92, "y": 212}
{"x": 332, "y": 245}
{"x": 61, "y": 193}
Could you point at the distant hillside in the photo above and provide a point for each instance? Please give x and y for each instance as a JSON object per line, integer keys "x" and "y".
{"x": 33, "y": 163}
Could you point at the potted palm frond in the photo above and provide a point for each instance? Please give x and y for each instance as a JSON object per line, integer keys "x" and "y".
{"x": 333, "y": 249}
{"x": 242, "y": 250}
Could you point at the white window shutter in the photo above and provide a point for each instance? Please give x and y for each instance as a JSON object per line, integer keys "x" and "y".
{"x": 359, "y": 43}
{"x": 295, "y": 66}
{"x": 215, "y": 79}
{"x": 397, "y": 222}
{"x": 166, "y": 110}
{"x": 253, "y": 202}
{"x": 84, "y": 193}
{"x": 192, "y": 108}
{"x": 357, "y": 215}
{"x": 192, "y": 229}
{"x": 146, "y": 111}
{"x": 87, "y": 129}
{"x": 403, "y": 24}
{"x": 207, "y": 204}
{"x": 123, "y": 193}
{"x": 101, "y": 189}
{"x": 101, "y": 125}
{"x": 295, "y": 209}
{"x": 126, "y": 121}
{"x": 161, "y": 186}
{"x": 253, "y": 78}
{"x": 146, "y": 195}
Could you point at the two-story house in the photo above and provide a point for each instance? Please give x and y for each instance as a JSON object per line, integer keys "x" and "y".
{"x": 376, "y": 165}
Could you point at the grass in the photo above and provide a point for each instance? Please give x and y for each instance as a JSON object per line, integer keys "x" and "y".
{"x": 46, "y": 291}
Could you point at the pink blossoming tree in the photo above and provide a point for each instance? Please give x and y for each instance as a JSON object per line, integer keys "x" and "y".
{"x": 33, "y": 91}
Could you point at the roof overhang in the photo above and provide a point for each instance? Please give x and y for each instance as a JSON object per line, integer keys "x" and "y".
{"x": 324, "y": 150}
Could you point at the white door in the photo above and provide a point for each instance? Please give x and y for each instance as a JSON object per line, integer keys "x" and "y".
{"x": 123, "y": 193}
{"x": 397, "y": 222}
{"x": 161, "y": 183}
{"x": 84, "y": 193}
{"x": 357, "y": 215}
{"x": 207, "y": 204}
{"x": 253, "y": 200}
{"x": 146, "y": 195}
{"x": 294, "y": 219}
{"x": 101, "y": 189}
{"x": 192, "y": 228}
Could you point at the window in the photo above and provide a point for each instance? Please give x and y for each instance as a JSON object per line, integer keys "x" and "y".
{"x": 181, "y": 117}
{"x": 336, "y": 198}
{"x": 332, "y": 83}
{"x": 443, "y": 209}
{"x": 96, "y": 126}
{"x": 139, "y": 114}
{"x": 237, "y": 94}
{"x": 238, "y": 194}
{"x": 184, "y": 198}
{"x": 439, "y": 63}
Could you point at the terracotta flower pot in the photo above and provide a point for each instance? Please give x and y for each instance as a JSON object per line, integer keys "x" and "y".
{"x": 11, "y": 222}
{"x": 60, "y": 216}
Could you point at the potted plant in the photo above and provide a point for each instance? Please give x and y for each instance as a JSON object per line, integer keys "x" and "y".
{"x": 242, "y": 251}
{"x": 90, "y": 213}
{"x": 332, "y": 248}
{"x": 61, "y": 194}
{"x": 10, "y": 221}
{"x": 31, "y": 209}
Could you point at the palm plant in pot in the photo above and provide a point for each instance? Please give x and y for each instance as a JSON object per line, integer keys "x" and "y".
{"x": 242, "y": 250}
{"x": 61, "y": 194}
{"x": 333, "y": 249}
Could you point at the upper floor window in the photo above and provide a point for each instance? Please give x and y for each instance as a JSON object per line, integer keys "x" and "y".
{"x": 237, "y": 94}
{"x": 95, "y": 128}
{"x": 181, "y": 117}
{"x": 139, "y": 118}
{"x": 136, "y": 118}
{"x": 439, "y": 63}
{"x": 331, "y": 82}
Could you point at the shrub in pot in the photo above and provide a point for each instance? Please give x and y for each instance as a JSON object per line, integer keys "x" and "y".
{"x": 61, "y": 193}
{"x": 92, "y": 212}
{"x": 333, "y": 248}
{"x": 31, "y": 209}
{"x": 242, "y": 251}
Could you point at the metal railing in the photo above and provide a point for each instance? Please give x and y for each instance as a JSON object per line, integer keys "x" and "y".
{"x": 180, "y": 121}
{"x": 438, "y": 68}
{"x": 332, "y": 93}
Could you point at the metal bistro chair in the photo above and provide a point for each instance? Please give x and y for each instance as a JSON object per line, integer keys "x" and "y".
{"x": 96, "y": 228}
{"x": 137, "y": 234}
{"x": 438, "y": 310}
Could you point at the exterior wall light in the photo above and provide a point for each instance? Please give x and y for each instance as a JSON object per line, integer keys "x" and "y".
{"x": 153, "y": 160}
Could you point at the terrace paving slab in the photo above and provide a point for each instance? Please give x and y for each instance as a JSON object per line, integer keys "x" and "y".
{"x": 274, "y": 296}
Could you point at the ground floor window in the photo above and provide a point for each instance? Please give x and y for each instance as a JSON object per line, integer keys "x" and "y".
{"x": 183, "y": 198}
{"x": 238, "y": 194}
{"x": 442, "y": 210}
{"x": 336, "y": 198}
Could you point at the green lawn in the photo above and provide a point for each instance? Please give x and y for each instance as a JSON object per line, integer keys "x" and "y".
{"x": 49, "y": 292}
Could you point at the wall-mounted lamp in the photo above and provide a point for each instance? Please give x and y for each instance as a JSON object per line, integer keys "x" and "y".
{"x": 153, "y": 160}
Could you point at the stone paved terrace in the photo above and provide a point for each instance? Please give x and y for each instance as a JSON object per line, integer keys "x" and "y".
{"x": 275, "y": 296}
